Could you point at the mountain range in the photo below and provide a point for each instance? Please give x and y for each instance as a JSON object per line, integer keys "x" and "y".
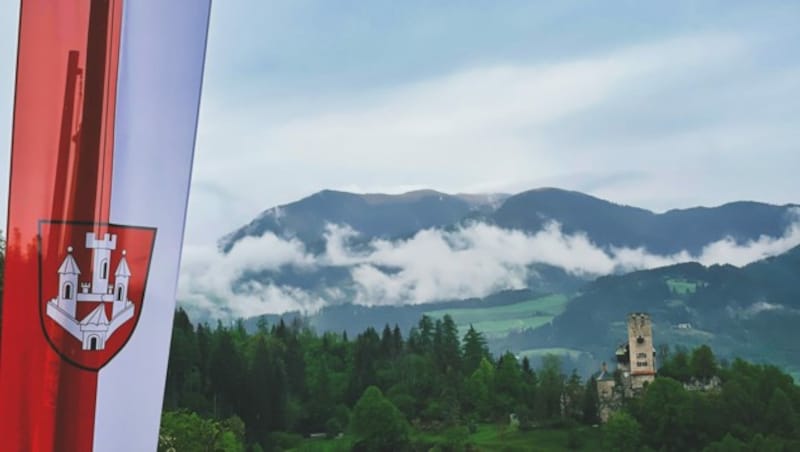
{"x": 550, "y": 305}
{"x": 606, "y": 223}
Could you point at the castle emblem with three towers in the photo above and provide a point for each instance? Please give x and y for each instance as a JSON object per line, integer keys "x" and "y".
{"x": 95, "y": 328}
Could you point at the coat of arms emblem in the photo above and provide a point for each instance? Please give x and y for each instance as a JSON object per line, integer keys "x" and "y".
{"x": 92, "y": 279}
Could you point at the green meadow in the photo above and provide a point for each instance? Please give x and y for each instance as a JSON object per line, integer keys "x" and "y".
{"x": 560, "y": 351}
{"x": 681, "y": 286}
{"x": 498, "y": 321}
{"x": 487, "y": 437}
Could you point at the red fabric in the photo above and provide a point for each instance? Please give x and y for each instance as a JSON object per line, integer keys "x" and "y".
{"x": 60, "y": 170}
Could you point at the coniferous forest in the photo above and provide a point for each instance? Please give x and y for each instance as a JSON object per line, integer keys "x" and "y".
{"x": 286, "y": 387}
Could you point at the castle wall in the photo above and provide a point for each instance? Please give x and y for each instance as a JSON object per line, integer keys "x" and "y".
{"x": 68, "y": 306}
{"x": 125, "y": 314}
{"x": 608, "y": 400}
{"x": 65, "y": 320}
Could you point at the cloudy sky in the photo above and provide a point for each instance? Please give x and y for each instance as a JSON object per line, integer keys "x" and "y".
{"x": 660, "y": 106}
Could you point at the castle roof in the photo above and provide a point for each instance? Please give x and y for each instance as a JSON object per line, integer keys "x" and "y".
{"x": 603, "y": 375}
{"x": 96, "y": 317}
{"x": 122, "y": 268}
{"x": 69, "y": 266}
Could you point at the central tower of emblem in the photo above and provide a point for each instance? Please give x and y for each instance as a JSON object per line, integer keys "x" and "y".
{"x": 96, "y": 327}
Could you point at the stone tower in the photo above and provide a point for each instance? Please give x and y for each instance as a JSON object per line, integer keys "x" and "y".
{"x": 101, "y": 260}
{"x": 121, "y": 278}
{"x": 641, "y": 351}
{"x": 68, "y": 283}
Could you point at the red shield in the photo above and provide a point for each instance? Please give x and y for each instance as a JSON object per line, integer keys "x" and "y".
{"x": 92, "y": 278}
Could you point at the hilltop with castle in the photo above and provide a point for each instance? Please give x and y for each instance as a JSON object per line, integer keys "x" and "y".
{"x": 636, "y": 367}
{"x": 94, "y": 329}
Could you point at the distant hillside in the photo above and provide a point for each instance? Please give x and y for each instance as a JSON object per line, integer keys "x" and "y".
{"x": 751, "y": 311}
{"x": 354, "y": 319}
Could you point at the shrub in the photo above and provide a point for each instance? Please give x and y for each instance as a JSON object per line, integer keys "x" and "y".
{"x": 377, "y": 424}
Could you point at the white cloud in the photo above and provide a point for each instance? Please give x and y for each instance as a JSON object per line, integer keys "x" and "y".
{"x": 472, "y": 261}
{"x": 209, "y": 280}
{"x": 727, "y": 251}
{"x": 759, "y": 307}
{"x": 480, "y": 259}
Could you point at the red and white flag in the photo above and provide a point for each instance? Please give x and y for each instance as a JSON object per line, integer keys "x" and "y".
{"x": 105, "y": 116}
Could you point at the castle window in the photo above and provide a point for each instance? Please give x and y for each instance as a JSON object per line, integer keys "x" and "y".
{"x": 104, "y": 270}
{"x": 119, "y": 293}
{"x": 67, "y": 291}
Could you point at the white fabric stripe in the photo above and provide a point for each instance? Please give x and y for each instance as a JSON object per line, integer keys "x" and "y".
{"x": 160, "y": 75}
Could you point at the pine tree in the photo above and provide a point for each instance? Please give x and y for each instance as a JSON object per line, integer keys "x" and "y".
{"x": 449, "y": 350}
{"x": 526, "y": 365}
{"x": 203, "y": 347}
{"x": 281, "y": 331}
{"x": 258, "y": 381}
{"x": 366, "y": 352}
{"x": 294, "y": 361}
{"x": 507, "y": 383}
{"x": 426, "y": 331}
{"x": 590, "y": 404}
{"x": 397, "y": 340}
{"x": 184, "y": 357}
{"x": 387, "y": 348}
{"x": 225, "y": 372}
{"x": 480, "y": 389}
{"x": 530, "y": 384}
{"x": 551, "y": 387}
{"x": 679, "y": 367}
{"x": 703, "y": 364}
{"x": 414, "y": 342}
{"x": 475, "y": 350}
{"x": 573, "y": 396}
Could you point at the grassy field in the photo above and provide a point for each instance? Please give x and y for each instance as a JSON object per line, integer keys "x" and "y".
{"x": 539, "y": 352}
{"x": 681, "y": 286}
{"x": 488, "y": 437}
{"x": 500, "y": 328}
{"x": 498, "y": 321}
{"x": 492, "y": 437}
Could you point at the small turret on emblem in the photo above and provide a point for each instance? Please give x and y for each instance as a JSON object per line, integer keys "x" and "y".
{"x": 93, "y": 329}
